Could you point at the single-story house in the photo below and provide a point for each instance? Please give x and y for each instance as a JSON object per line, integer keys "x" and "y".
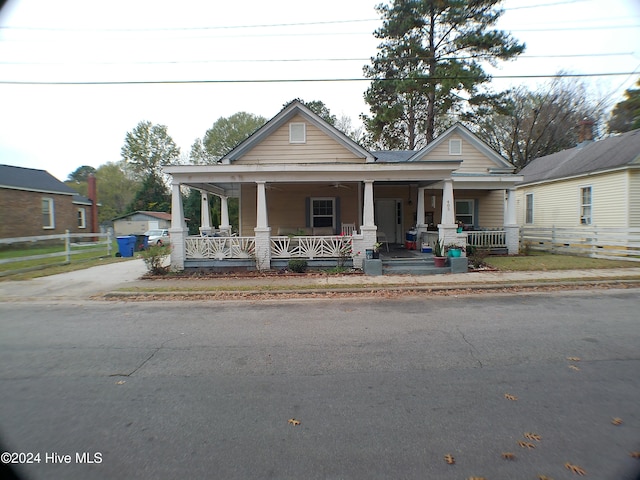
{"x": 33, "y": 202}
{"x": 137, "y": 223}
{"x": 586, "y": 197}
{"x": 303, "y": 186}
{"x": 594, "y": 183}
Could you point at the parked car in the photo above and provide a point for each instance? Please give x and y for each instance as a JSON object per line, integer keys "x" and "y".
{"x": 158, "y": 237}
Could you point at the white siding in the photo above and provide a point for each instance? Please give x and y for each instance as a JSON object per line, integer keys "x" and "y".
{"x": 634, "y": 198}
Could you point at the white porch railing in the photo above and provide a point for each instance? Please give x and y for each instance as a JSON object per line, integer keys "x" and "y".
{"x": 489, "y": 238}
{"x": 330, "y": 246}
{"x": 608, "y": 243}
{"x": 220, "y": 248}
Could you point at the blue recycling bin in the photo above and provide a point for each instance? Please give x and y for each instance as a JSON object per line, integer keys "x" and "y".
{"x": 126, "y": 245}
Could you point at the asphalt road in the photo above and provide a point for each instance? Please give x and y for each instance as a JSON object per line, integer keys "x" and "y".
{"x": 383, "y": 388}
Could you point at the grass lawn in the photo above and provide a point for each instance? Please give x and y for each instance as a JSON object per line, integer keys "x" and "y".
{"x": 548, "y": 261}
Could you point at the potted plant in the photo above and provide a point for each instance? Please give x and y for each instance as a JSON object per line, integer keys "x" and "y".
{"x": 460, "y": 226}
{"x": 453, "y": 250}
{"x": 376, "y": 249}
{"x": 438, "y": 254}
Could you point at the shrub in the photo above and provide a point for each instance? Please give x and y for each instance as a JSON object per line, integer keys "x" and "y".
{"x": 477, "y": 256}
{"x": 154, "y": 258}
{"x": 298, "y": 266}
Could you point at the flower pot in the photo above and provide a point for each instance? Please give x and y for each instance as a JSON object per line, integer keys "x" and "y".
{"x": 376, "y": 254}
{"x": 455, "y": 252}
{"x": 459, "y": 229}
{"x": 440, "y": 262}
{"x": 368, "y": 253}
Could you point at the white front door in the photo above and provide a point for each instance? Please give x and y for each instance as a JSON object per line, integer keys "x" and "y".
{"x": 388, "y": 218}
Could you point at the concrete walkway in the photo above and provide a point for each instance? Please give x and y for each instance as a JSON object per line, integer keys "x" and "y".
{"x": 125, "y": 277}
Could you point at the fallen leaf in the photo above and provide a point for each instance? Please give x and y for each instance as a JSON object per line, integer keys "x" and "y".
{"x": 294, "y": 422}
{"x": 476, "y": 478}
{"x": 573, "y": 359}
{"x": 526, "y": 444}
{"x": 573, "y": 367}
{"x": 533, "y": 436}
{"x": 544, "y": 477}
{"x": 635, "y": 455}
{"x": 121, "y": 382}
{"x": 508, "y": 456}
{"x": 575, "y": 469}
{"x": 449, "y": 459}
{"x": 616, "y": 421}
{"x": 508, "y": 396}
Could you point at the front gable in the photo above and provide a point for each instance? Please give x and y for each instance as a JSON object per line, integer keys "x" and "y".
{"x": 458, "y": 143}
{"x": 297, "y": 136}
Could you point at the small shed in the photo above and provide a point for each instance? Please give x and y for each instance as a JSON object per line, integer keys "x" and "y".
{"x": 137, "y": 223}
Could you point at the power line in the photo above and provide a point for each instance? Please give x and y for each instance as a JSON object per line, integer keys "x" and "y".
{"x": 302, "y": 80}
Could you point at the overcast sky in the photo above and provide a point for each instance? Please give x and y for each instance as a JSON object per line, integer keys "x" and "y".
{"x": 227, "y": 44}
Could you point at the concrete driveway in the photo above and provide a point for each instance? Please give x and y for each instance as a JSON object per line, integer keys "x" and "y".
{"x": 77, "y": 285}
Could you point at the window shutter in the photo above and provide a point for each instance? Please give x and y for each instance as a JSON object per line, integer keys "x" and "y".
{"x": 338, "y": 216}
{"x": 307, "y": 212}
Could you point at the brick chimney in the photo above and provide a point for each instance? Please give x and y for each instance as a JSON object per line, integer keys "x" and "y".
{"x": 585, "y": 131}
{"x": 92, "y": 193}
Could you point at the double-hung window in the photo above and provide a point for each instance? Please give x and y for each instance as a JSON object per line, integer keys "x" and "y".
{"x": 528, "y": 208}
{"x": 322, "y": 212}
{"x": 48, "y": 218}
{"x": 82, "y": 218}
{"x": 586, "y": 206}
{"x": 464, "y": 212}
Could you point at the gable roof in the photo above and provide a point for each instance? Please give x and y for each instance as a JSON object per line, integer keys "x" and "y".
{"x": 286, "y": 114}
{"x": 158, "y": 215}
{"x": 502, "y": 165}
{"x": 32, "y": 180}
{"x": 609, "y": 153}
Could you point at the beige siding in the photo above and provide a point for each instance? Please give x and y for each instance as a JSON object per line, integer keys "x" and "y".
{"x": 558, "y": 203}
{"x": 491, "y": 209}
{"x": 634, "y": 198}
{"x": 473, "y": 161}
{"x": 286, "y": 205}
{"x": 319, "y": 148}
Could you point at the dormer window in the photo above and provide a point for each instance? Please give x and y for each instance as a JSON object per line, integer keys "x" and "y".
{"x": 455, "y": 146}
{"x": 297, "y": 133}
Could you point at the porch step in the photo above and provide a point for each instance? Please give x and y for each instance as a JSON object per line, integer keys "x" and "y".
{"x": 412, "y": 266}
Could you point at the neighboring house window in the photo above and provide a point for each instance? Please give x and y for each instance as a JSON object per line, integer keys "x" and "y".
{"x": 322, "y": 212}
{"x": 82, "y": 218}
{"x": 297, "y": 133}
{"x": 529, "y": 208}
{"x": 48, "y": 219}
{"x": 455, "y": 146}
{"x": 585, "y": 206}
{"x": 464, "y": 212}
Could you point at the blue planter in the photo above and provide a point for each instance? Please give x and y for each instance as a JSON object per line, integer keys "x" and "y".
{"x": 455, "y": 252}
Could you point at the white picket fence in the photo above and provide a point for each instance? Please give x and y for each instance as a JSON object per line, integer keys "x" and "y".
{"x": 608, "y": 243}
{"x": 74, "y": 244}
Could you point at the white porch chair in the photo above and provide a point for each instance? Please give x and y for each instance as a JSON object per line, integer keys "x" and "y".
{"x": 348, "y": 229}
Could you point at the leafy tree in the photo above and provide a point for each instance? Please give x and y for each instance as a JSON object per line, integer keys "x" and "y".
{"x": 319, "y": 108}
{"x": 147, "y": 149}
{"x": 199, "y": 155}
{"x": 152, "y": 196}
{"x": 224, "y": 136}
{"x": 530, "y": 124}
{"x": 626, "y": 114}
{"x": 115, "y": 191}
{"x": 81, "y": 174}
{"x": 431, "y": 54}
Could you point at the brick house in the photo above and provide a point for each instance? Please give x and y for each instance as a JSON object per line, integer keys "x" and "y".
{"x": 33, "y": 202}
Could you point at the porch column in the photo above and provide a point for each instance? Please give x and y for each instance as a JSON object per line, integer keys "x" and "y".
{"x": 205, "y": 215}
{"x": 511, "y": 228}
{"x": 177, "y": 231}
{"x": 368, "y": 228}
{"x": 224, "y": 215}
{"x": 262, "y": 230}
{"x": 448, "y": 228}
{"x": 420, "y": 225}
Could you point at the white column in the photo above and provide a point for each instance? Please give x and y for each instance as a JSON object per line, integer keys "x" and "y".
{"x": 420, "y": 225}
{"x": 512, "y": 230}
{"x": 224, "y": 215}
{"x": 177, "y": 230}
{"x": 262, "y": 220}
{"x": 205, "y": 214}
{"x": 368, "y": 218}
{"x": 262, "y": 230}
{"x": 448, "y": 228}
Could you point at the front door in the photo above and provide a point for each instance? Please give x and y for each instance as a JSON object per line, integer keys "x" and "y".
{"x": 388, "y": 218}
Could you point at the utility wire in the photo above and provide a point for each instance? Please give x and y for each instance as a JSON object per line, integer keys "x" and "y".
{"x": 303, "y": 80}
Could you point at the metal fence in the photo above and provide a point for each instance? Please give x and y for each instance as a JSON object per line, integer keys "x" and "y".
{"x": 65, "y": 246}
{"x": 607, "y": 243}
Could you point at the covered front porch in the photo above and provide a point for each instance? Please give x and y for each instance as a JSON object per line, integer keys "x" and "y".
{"x": 330, "y": 218}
